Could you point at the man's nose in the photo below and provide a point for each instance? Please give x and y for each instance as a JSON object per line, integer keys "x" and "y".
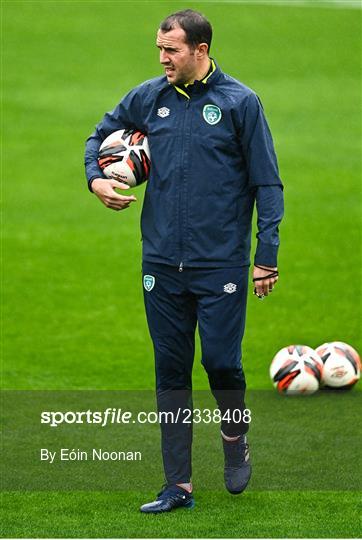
{"x": 164, "y": 59}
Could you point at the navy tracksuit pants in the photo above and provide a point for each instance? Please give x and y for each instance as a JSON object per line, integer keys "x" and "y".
{"x": 215, "y": 299}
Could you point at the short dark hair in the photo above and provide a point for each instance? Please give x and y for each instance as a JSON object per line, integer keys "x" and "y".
{"x": 196, "y": 27}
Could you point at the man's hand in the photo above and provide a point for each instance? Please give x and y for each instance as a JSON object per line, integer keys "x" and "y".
{"x": 263, "y": 285}
{"x": 105, "y": 191}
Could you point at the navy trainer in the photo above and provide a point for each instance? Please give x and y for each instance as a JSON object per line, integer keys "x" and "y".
{"x": 237, "y": 470}
{"x": 168, "y": 499}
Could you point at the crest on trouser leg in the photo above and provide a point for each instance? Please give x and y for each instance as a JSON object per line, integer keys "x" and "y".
{"x": 148, "y": 282}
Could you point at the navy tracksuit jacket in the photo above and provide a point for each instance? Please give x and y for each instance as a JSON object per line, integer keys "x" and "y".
{"x": 212, "y": 159}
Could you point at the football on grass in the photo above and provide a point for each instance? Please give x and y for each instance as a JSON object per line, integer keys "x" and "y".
{"x": 341, "y": 364}
{"x": 296, "y": 369}
{"x": 125, "y": 156}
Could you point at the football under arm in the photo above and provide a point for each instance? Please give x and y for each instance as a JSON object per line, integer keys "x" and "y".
{"x": 128, "y": 113}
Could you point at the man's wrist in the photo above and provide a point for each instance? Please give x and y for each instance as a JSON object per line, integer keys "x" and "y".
{"x": 265, "y": 267}
{"x": 90, "y": 182}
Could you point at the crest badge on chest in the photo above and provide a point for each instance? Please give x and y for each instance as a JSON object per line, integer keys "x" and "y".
{"x": 212, "y": 114}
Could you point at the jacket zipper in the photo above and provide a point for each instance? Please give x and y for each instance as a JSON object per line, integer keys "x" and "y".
{"x": 181, "y": 265}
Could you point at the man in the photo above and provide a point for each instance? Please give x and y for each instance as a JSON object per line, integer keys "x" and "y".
{"x": 212, "y": 159}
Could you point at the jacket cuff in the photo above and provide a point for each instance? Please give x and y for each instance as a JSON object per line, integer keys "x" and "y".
{"x": 266, "y": 254}
{"x": 91, "y": 180}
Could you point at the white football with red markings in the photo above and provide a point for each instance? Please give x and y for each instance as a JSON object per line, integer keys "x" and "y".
{"x": 125, "y": 156}
{"x": 341, "y": 364}
{"x": 296, "y": 369}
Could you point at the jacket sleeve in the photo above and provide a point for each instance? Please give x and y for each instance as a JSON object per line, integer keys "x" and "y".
{"x": 263, "y": 177}
{"x": 270, "y": 209}
{"x": 127, "y": 114}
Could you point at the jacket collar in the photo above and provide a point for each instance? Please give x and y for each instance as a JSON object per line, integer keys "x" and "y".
{"x": 211, "y": 76}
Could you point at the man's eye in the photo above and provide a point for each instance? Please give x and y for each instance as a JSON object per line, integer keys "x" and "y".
{"x": 166, "y": 49}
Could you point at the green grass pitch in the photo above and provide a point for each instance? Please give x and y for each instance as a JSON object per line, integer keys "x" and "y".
{"x": 72, "y": 299}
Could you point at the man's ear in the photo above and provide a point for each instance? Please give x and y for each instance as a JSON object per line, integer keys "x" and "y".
{"x": 201, "y": 51}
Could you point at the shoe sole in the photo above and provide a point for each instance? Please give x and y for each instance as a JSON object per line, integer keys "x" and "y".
{"x": 188, "y": 506}
{"x": 236, "y": 492}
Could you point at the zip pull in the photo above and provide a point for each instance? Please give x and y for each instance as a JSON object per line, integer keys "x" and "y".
{"x": 181, "y": 267}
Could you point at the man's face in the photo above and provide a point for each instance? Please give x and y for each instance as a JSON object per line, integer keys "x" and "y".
{"x": 178, "y": 59}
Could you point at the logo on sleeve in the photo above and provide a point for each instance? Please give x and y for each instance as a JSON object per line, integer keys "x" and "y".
{"x": 163, "y": 112}
{"x": 212, "y": 114}
{"x": 148, "y": 282}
